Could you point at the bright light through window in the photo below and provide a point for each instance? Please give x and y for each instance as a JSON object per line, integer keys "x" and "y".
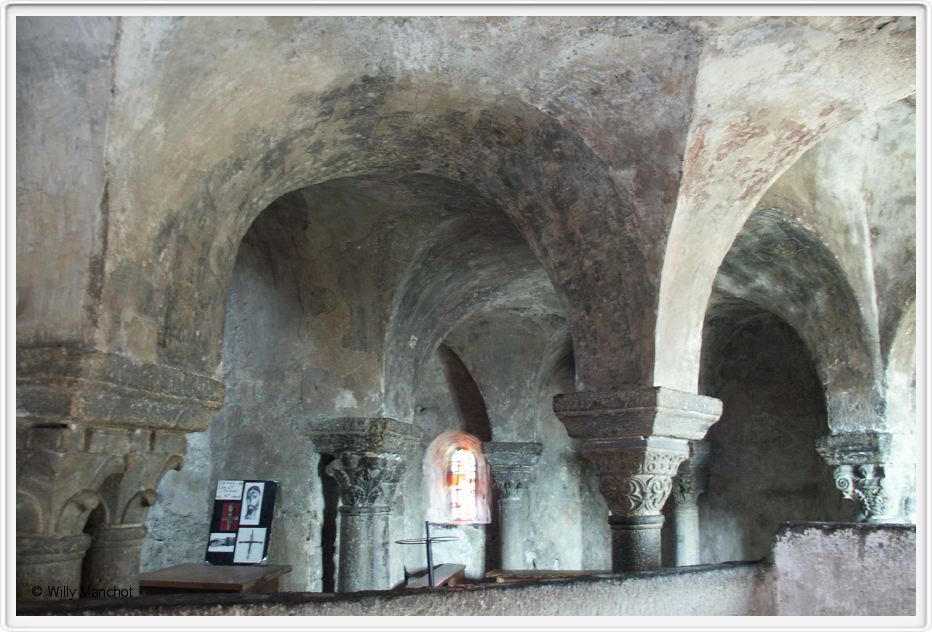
{"x": 462, "y": 485}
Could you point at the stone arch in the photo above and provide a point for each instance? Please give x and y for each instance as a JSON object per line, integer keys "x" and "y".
{"x": 764, "y": 468}
{"x": 785, "y": 268}
{"x": 545, "y": 179}
{"x": 559, "y": 354}
{"x": 466, "y": 394}
{"x": 742, "y": 139}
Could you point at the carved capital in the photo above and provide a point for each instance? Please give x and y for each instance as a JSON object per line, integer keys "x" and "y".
{"x": 66, "y": 471}
{"x": 379, "y": 435}
{"x": 512, "y": 465}
{"x": 858, "y": 460}
{"x": 366, "y": 481}
{"x": 864, "y": 484}
{"x": 693, "y": 476}
{"x": 636, "y": 475}
{"x": 127, "y": 499}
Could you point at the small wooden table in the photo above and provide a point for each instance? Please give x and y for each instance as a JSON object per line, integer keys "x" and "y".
{"x": 207, "y": 578}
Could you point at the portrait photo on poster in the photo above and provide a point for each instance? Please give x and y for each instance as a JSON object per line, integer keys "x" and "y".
{"x": 221, "y": 542}
{"x": 252, "y": 504}
{"x": 250, "y": 546}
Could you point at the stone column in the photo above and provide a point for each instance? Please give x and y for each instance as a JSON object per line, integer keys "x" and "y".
{"x": 370, "y": 458}
{"x": 512, "y": 467}
{"x": 113, "y": 558}
{"x": 636, "y": 440}
{"x": 94, "y": 431}
{"x": 690, "y": 482}
{"x": 859, "y": 460}
{"x": 116, "y": 543}
{"x": 46, "y": 562}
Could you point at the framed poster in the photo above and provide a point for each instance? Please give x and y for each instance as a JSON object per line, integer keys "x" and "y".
{"x": 241, "y": 522}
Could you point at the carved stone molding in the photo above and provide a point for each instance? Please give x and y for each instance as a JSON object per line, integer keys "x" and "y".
{"x": 855, "y": 448}
{"x": 865, "y": 485}
{"x": 380, "y": 435}
{"x": 370, "y": 457}
{"x": 636, "y": 475}
{"x": 636, "y": 439}
{"x": 366, "y": 481}
{"x": 66, "y": 385}
{"x": 693, "y": 476}
{"x": 512, "y": 465}
{"x": 858, "y": 459}
{"x": 65, "y": 472}
{"x": 637, "y": 412}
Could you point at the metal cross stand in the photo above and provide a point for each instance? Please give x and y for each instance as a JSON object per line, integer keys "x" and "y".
{"x": 427, "y": 541}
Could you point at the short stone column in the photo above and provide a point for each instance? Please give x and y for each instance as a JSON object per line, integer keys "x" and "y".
{"x": 113, "y": 558}
{"x": 49, "y": 565}
{"x": 690, "y": 482}
{"x": 859, "y": 460}
{"x": 512, "y": 466}
{"x": 59, "y": 469}
{"x": 636, "y": 440}
{"x": 370, "y": 458}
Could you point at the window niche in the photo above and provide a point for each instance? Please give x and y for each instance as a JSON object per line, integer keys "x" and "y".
{"x": 457, "y": 478}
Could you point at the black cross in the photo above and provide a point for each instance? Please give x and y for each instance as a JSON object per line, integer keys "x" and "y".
{"x": 428, "y": 541}
{"x": 252, "y": 534}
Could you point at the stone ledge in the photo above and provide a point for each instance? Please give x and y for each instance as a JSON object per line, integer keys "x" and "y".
{"x": 637, "y": 412}
{"x": 858, "y": 448}
{"x": 61, "y": 385}
{"x": 511, "y": 453}
{"x": 303, "y": 603}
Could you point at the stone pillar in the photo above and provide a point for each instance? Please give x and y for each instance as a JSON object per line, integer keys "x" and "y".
{"x": 113, "y": 559}
{"x": 636, "y": 440}
{"x": 370, "y": 458}
{"x": 95, "y": 431}
{"x": 690, "y": 482}
{"x": 859, "y": 460}
{"x": 46, "y": 563}
{"x": 512, "y": 466}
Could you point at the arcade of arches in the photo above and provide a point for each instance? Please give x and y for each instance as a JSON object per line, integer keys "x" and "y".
{"x": 656, "y": 274}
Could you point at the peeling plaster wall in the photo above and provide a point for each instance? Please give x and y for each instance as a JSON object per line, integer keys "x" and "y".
{"x": 63, "y": 84}
{"x": 857, "y": 190}
{"x": 567, "y": 514}
{"x": 764, "y": 467}
{"x": 845, "y": 570}
{"x": 765, "y": 93}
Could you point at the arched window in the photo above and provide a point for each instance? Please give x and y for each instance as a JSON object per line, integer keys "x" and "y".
{"x": 457, "y": 478}
{"x": 462, "y": 485}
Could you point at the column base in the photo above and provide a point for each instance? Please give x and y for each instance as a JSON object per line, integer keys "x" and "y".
{"x": 635, "y": 542}
{"x": 49, "y": 566}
